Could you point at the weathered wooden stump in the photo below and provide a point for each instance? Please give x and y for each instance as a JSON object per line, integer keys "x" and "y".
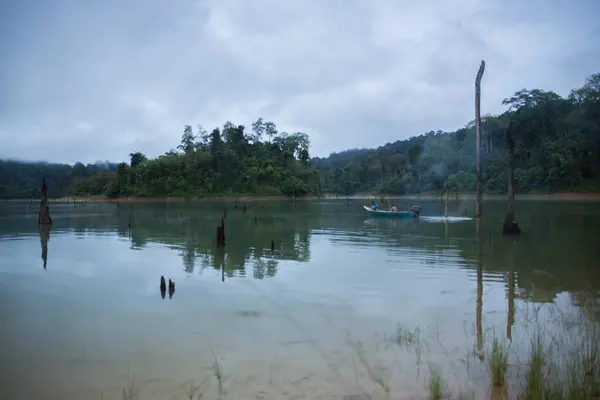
{"x": 163, "y": 287}
{"x": 171, "y": 288}
{"x": 510, "y": 226}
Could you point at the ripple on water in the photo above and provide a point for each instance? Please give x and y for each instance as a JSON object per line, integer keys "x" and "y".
{"x": 444, "y": 219}
{"x": 324, "y": 325}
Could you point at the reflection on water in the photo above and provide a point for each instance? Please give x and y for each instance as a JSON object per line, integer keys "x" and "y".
{"x": 44, "y": 238}
{"x": 303, "y": 298}
{"x": 479, "y": 291}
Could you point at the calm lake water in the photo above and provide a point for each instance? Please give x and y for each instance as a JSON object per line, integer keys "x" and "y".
{"x": 345, "y": 304}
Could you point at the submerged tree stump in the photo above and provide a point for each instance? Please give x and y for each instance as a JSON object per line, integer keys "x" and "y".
{"x": 510, "y": 226}
{"x": 220, "y": 235}
{"x": 163, "y": 287}
{"x": 44, "y": 214}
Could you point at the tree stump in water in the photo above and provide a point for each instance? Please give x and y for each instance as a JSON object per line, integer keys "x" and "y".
{"x": 44, "y": 215}
{"x": 510, "y": 226}
{"x": 221, "y": 235}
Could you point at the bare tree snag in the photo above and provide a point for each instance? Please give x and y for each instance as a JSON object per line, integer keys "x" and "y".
{"x": 478, "y": 134}
{"x": 44, "y": 215}
{"x": 510, "y": 226}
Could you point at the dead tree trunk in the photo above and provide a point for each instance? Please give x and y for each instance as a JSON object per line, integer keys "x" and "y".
{"x": 510, "y": 226}
{"x": 44, "y": 215}
{"x": 478, "y": 210}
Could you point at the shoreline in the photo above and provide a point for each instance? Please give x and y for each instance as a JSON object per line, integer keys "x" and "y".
{"x": 564, "y": 196}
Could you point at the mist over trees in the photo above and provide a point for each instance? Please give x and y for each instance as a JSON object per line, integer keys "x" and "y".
{"x": 556, "y": 139}
{"x": 22, "y": 179}
{"x": 557, "y": 148}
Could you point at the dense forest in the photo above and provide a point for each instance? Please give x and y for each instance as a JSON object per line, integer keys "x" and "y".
{"x": 557, "y": 148}
{"x": 22, "y": 179}
{"x": 225, "y": 161}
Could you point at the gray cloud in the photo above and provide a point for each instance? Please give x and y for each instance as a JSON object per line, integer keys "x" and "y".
{"x": 96, "y": 80}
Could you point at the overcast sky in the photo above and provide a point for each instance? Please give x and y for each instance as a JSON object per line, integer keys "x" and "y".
{"x": 96, "y": 80}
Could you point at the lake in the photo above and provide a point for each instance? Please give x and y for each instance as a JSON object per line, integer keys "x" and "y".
{"x": 344, "y": 305}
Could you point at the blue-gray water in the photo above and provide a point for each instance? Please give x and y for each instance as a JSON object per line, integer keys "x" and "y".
{"x": 316, "y": 318}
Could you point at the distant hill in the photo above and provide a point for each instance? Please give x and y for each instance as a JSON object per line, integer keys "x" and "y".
{"x": 556, "y": 142}
{"x": 557, "y": 148}
{"x": 22, "y": 179}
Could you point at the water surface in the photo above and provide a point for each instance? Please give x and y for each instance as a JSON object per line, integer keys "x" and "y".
{"x": 344, "y": 304}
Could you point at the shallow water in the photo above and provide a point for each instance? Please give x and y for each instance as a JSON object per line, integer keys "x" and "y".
{"x": 345, "y": 304}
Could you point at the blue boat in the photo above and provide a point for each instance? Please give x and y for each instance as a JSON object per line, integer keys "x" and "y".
{"x": 394, "y": 214}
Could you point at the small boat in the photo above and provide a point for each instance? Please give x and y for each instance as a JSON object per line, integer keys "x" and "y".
{"x": 394, "y": 214}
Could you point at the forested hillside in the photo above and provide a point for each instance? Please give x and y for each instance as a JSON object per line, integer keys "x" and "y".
{"x": 557, "y": 143}
{"x": 557, "y": 149}
{"x": 22, "y": 179}
{"x": 230, "y": 160}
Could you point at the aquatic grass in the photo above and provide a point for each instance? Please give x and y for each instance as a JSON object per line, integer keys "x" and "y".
{"x": 435, "y": 387}
{"x": 193, "y": 391}
{"x": 557, "y": 366}
{"x": 403, "y": 336}
{"x": 563, "y": 365}
{"x": 538, "y": 384}
{"x": 582, "y": 380}
{"x": 131, "y": 391}
{"x": 375, "y": 376}
{"x": 497, "y": 363}
{"x": 217, "y": 373}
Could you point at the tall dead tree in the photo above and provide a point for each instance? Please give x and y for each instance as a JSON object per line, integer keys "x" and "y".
{"x": 478, "y": 135}
{"x": 44, "y": 215}
{"x": 510, "y": 226}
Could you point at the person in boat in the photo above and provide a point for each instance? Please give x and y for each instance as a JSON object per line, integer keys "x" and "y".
{"x": 415, "y": 208}
{"x": 393, "y": 209}
{"x": 374, "y": 205}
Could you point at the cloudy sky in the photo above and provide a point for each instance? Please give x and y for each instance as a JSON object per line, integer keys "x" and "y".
{"x": 95, "y": 80}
